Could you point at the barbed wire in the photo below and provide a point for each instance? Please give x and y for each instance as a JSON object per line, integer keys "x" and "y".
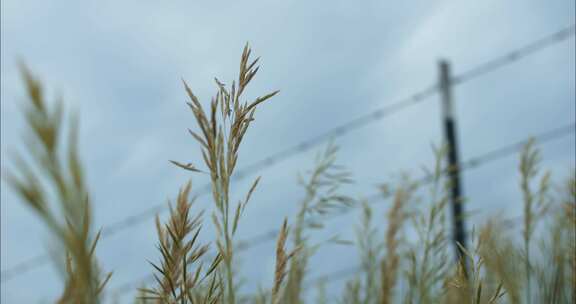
{"x": 496, "y": 63}
{"x": 338, "y": 131}
{"x": 472, "y": 163}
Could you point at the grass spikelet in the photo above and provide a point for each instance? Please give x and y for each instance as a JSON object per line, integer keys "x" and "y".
{"x": 282, "y": 258}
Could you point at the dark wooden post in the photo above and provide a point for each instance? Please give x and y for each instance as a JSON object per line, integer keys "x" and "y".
{"x": 449, "y": 121}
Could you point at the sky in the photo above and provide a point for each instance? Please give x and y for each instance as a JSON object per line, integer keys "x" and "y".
{"x": 120, "y": 64}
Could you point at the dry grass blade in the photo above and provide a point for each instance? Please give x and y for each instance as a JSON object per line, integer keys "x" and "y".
{"x": 282, "y": 258}
{"x": 188, "y": 166}
{"x": 397, "y": 215}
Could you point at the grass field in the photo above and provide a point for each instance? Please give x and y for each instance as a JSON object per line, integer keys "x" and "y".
{"x": 536, "y": 264}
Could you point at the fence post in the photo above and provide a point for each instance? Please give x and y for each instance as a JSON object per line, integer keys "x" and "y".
{"x": 449, "y": 122}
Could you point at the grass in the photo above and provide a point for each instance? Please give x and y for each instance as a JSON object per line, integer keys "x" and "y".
{"x": 54, "y": 176}
{"x": 222, "y": 130}
{"x": 407, "y": 260}
{"x": 176, "y": 280}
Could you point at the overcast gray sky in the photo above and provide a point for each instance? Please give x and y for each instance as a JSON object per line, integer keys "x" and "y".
{"x": 120, "y": 64}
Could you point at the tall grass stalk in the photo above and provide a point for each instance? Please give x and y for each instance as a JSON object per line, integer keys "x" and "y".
{"x": 397, "y": 215}
{"x": 322, "y": 196}
{"x": 55, "y": 176}
{"x": 282, "y": 258}
{"x": 535, "y": 204}
{"x": 429, "y": 261}
{"x": 221, "y": 132}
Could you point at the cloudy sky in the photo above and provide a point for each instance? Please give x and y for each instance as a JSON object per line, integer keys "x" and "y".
{"x": 120, "y": 64}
